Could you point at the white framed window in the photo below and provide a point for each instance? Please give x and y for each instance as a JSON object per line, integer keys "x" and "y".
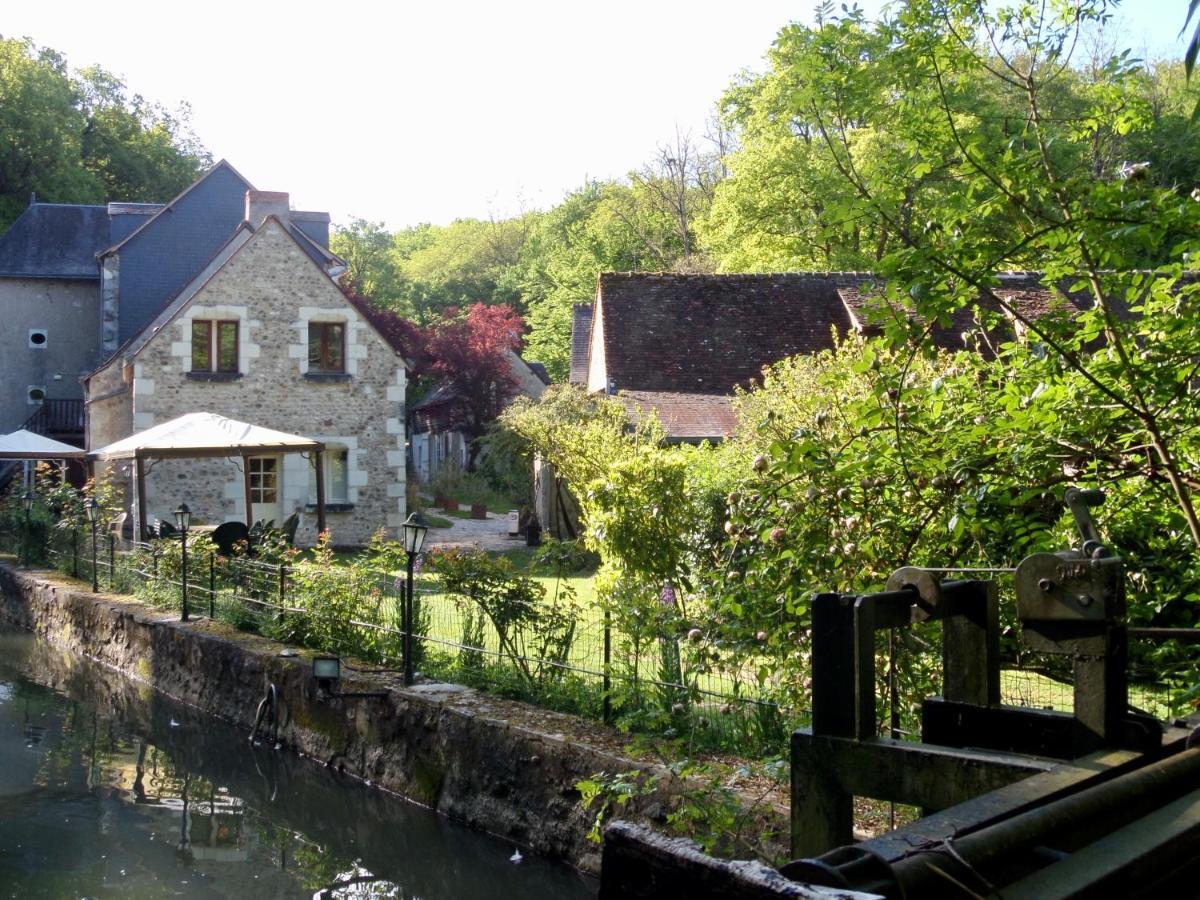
{"x": 215, "y": 346}
{"x": 38, "y": 338}
{"x": 35, "y": 394}
{"x": 336, "y": 461}
{"x": 264, "y": 479}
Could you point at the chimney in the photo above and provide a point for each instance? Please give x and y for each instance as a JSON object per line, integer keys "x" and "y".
{"x": 260, "y": 204}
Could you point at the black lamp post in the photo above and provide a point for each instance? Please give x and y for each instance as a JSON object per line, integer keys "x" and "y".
{"x": 414, "y": 538}
{"x": 92, "y": 508}
{"x": 27, "y": 505}
{"x": 183, "y": 519}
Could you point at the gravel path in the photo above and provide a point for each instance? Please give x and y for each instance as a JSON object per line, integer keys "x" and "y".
{"x": 486, "y": 534}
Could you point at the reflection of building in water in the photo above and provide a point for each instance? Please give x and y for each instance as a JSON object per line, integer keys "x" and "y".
{"x": 216, "y": 828}
{"x": 209, "y": 821}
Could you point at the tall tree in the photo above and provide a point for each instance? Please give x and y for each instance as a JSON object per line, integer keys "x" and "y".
{"x": 996, "y": 156}
{"x": 470, "y": 353}
{"x": 138, "y": 150}
{"x": 79, "y": 138}
{"x": 41, "y": 121}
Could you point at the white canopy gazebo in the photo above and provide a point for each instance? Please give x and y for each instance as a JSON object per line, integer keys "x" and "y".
{"x": 204, "y": 435}
{"x": 29, "y": 445}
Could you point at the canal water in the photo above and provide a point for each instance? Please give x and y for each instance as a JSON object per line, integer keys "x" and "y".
{"x": 110, "y": 790}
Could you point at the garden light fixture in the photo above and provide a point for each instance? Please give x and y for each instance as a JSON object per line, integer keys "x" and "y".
{"x": 414, "y": 534}
{"x": 183, "y": 520}
{"x": 183, "y": 517}
{"x": 414, "y": 539}
{"x": 327, "y": 671}
{"x": 27, "y": 505}
{"x": 92, "y": 509}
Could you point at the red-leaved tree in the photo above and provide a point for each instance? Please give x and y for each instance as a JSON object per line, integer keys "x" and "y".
{"x": 469, "y": 354}
{"x": 405, "y": 337}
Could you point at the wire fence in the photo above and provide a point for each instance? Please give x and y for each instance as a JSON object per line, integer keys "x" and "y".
{"x": 658, "y": 682}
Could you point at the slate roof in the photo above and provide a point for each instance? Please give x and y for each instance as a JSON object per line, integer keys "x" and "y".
{"x": 442, "y": 392}
{"x": 322, "y": 256}
{"x": 170, "y": 206}
{"x": 706, "y": 334}
{"x": 52, "y": 240}
{"x": 581, "y": 336}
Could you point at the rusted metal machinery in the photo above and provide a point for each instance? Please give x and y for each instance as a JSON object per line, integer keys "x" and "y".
{"x": 1023, "y": 792}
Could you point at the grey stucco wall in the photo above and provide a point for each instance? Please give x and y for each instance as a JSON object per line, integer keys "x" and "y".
{"x": 68, "y": 310}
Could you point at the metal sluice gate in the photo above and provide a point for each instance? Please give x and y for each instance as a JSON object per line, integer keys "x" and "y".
{"x": 1017, "y": 802}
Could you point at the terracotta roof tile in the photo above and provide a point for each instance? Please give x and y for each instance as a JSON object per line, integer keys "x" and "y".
{"x": 706, "y": 334}
{"x": 687, "y": 417}
{"x": 581, "y": 337}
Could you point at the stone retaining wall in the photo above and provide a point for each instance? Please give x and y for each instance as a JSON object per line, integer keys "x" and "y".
{"x": 494, "y": 764}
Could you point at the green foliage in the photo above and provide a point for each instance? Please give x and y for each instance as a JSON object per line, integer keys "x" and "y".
{"x": 533, "y": 634}
{"x": 702, "y": 806}
{"x": 605, "y": 794}
{"x": 77, "y": 137}
{"x": 330, "y": 599}
{"x": 956, "y": 141}
{"x": 471, "y": 488}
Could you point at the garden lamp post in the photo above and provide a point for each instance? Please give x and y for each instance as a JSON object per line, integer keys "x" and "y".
{"x": 414, "y": 538}
{"x": 183, "y": 519}
{"x": 27, "y": 505}
{"x": 92, "y": 508}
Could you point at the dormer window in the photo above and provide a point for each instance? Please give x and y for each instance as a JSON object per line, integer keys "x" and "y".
{"x": 327, "y": 347}
{"x": 214, "y": 346}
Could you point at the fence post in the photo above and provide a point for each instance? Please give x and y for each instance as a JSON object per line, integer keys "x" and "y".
{"x": 407, "y": 620}
{"x": 212, "y": 585}
{"x": 282, "y": 589}
{"x": 607, "y": 667}
{"x": 112, "y": 561}
{"x": 74, "y": 552}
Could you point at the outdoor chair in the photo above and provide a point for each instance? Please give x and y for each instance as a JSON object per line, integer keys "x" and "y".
{"x": 225, "y": 536}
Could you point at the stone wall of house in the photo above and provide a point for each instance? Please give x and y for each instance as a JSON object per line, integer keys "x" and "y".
{"x": 274, "y": 290}
{"x": 65, "y": 312}
{"x": 109, "y": 417}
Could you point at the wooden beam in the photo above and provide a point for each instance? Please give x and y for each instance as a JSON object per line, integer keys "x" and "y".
{"x": 319, "y": 461}
{"x": 829, "y": 771}
{"x": 139, "y": 466}
{"x": 246, "y": 490}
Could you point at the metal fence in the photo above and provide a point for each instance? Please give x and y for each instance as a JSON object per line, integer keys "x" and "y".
{"x": 659, "y": 682}
{"x": 587, "y": 665}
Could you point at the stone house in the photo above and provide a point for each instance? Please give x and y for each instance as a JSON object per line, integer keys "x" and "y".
{"x": 77, "y": 281}
{"x": 223, "y": 300}
{"x": 680, "y": 345}
{"x": 262, "y": 333}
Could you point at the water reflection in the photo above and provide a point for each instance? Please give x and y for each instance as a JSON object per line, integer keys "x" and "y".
{"x": 105, "y": 788}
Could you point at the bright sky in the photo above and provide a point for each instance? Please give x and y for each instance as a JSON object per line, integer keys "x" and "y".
{"x": 423, "y": 111}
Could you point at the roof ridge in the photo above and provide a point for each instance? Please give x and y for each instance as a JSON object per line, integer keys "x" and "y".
{"x": 170, "y": 204}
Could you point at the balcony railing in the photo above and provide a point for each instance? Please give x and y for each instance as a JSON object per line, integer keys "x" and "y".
{"x": 57, "y": 417}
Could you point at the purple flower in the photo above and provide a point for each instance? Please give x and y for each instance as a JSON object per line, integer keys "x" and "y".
{"x": 667, "y": 597}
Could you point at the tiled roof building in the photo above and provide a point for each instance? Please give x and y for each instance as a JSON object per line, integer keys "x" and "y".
{"x": 681, "y": 344}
